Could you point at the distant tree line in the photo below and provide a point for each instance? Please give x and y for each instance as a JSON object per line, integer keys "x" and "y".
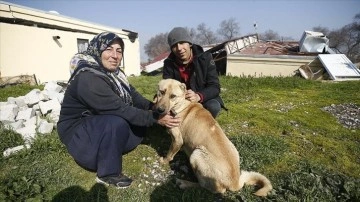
{"x": 345, "y": 40}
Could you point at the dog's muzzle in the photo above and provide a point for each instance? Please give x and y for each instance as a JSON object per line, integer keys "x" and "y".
{"x": 160, "y": 110}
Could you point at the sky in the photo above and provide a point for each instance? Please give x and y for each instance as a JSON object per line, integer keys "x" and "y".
{"x": 289, "y": 18}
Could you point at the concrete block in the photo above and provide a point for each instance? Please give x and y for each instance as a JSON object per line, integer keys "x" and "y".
{"x": 52, "y": 86}
{"x": 25, "y": 114}
{"x": 45, "y": 127}
{"x": 34, "y": 97}
{"x": 19, "y": 101}
{"x": 28, "y": 133}
{"x": 8, "y": 113}
{"x": 48, "y": 106}
{"x": 32, "y": 121}
{"x": 16, "y": 125}
{"x": 12, "y": 150}
{"x": 54, "y": 95}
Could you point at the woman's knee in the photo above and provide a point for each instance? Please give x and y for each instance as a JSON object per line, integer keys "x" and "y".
{"x": 115, "y": 121}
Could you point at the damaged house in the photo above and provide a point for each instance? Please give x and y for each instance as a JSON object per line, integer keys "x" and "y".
{"x": 311, "y": 57}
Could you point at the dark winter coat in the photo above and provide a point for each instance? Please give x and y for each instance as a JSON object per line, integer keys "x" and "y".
{"x": 92, "y": 93}
{"x": 203, "y": 78}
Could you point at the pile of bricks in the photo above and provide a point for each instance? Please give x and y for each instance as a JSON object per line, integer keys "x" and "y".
{"x": 34, "y": 114}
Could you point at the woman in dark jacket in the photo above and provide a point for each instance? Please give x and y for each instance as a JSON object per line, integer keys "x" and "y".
{"x": 102, "y": 116}
{"x": 189, "y": 64}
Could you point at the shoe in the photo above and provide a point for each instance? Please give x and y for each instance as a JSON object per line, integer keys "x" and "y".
{"x": 119, "y": 182}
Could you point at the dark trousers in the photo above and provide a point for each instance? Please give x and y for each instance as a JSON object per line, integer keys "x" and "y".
{"x": 101, "y": 140}
{"x": 213, "y": 106}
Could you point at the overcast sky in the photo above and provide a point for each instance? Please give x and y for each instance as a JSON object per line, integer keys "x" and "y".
{"x": 149, "y": 18}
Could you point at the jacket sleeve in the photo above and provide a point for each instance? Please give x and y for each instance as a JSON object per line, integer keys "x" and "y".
{"x": 210, "y": 87}
{"x": 168, "y": 70}
{"x": 96, "y": 92}
{"x": 139, "y": 100}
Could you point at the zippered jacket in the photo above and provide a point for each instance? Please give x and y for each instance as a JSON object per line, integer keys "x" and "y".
{"x": 204, "y": 78}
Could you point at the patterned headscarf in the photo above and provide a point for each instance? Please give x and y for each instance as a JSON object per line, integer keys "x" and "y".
{"x": 100, "y": 42}
{"x": 91, "y": 60}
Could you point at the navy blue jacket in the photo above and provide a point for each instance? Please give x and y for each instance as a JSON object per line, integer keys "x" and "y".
{"x": 93, "y": 93}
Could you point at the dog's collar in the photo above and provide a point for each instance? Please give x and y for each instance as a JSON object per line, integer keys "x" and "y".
{"x": 173, "y": 113}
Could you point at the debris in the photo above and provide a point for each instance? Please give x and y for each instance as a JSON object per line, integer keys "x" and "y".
{"x": 347, "y": 114}
{"x": 22, "y": 79}
{"x": 314, "y": 42}
{"x": 330, "y": 67}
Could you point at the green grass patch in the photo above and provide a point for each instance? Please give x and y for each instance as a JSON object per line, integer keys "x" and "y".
{"x": 277, "y": 125}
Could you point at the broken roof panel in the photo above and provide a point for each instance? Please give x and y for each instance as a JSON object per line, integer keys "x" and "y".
{"x": 339, "y": 67}
{"x": 314, "y": 42}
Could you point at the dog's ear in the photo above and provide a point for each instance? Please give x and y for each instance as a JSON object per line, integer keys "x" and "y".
{"x": 183, "y": 87}
{"x": 155, "y": 99}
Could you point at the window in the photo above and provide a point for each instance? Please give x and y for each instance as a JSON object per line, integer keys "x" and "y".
{"x": 82, "y": 45}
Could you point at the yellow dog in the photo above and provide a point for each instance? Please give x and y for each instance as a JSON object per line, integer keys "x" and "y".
{"x": 213, "y": 157}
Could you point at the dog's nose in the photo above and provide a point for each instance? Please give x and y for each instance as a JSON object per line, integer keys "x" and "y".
{"x": 160, "y": 110}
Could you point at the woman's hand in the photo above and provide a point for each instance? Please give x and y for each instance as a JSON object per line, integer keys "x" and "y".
{"x": 169, "y": 121}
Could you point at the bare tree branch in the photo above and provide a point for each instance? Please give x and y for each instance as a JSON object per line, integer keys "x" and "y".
{"x": 229, "y": 29}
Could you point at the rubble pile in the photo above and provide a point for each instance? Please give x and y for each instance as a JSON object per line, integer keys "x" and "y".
{"x": 34, "y": 114}
{"x": 347, "y": 114}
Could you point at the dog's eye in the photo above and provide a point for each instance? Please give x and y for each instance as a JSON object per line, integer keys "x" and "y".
{"x": 172, "y": 96}
{"x": 162, "y": 92}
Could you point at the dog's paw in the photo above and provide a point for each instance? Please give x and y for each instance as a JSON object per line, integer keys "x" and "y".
{"x": 183, "y": 184}
{"x": 163, "y": 160}
{"x": 180, "y": 183}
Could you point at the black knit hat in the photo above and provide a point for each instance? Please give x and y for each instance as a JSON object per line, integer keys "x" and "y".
{"x": 178, "y": 34}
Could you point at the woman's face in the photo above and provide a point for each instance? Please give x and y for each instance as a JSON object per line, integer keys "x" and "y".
{"x": 111, "y": 57}
{"x": 182, "y": 50}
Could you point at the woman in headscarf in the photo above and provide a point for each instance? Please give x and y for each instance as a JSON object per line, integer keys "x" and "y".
{"x": 102, "y": 116}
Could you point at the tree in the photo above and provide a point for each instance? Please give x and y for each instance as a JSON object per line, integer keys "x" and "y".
{"x": 229, "y": 29}
{"x": 321, "y": 29}
{"x": 193, "y": 35}
{"x": 347, "y": 39}
{"x": 204, "y": 35}
{"x": 157, "y": 45}
{"x": 269, "y": 35}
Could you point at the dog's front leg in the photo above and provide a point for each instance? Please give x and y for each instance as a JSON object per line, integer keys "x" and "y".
{"x": 176, "y": 144}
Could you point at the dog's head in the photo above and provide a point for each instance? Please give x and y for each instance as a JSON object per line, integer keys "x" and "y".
{"x": 170, "y": 96}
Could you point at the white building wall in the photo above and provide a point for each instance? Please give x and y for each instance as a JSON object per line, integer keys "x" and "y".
{"x": 131, "y": 57}
{"x": 264, "y": 66}
{"x": 28, "y": 50}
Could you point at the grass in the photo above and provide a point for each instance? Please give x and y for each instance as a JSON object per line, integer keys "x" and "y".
{"x": 276, "y": 124}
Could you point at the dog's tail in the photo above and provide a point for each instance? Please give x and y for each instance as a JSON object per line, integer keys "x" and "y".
{"x": 255, "y": 178}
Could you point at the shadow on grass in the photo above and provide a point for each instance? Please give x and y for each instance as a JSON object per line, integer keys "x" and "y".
{"x": 169, "y": 192}
{"x": 160, "y": 141}
{"x": 158, "y": 138}
{"x": 76, "y": 193}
